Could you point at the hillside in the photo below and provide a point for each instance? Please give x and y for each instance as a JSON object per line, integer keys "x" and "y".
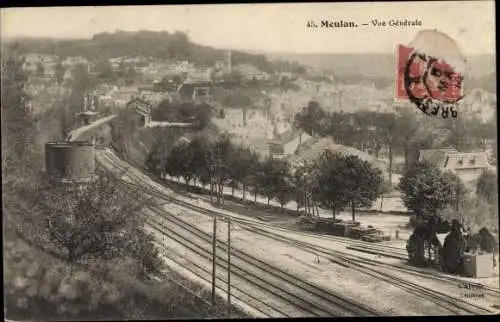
{"x": 376, "y": 64}
{"x": 379, "y": 67}
{"x": 161, "y": 45}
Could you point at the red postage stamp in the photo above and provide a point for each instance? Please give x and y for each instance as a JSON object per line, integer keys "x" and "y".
{"x": 429, "y": 73}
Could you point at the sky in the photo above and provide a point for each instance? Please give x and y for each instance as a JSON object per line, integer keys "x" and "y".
{"x": 269, "y": 27}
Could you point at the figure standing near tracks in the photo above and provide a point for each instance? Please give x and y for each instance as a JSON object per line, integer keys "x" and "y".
{"x": 453, "y": 249}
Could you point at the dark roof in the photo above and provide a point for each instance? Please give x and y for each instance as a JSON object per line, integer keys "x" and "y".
{"x": 427, "y": 154}
{"x": 138, "y": 99}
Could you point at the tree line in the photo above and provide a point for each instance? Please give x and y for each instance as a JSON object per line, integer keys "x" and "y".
{"x": 402, "y": 132}
{"x": 333, "y": 180}
{"x": 162, "y": 45}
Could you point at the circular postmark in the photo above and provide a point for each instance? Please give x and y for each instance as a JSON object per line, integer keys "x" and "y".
{"x": 431, "y": 83}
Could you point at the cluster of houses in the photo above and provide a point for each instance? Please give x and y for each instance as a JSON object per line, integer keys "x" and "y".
{"x": 45, "y": 66}
{"x": 299, "y": 147}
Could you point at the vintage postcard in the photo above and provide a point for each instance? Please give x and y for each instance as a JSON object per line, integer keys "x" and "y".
{"x": 249, "y": 161}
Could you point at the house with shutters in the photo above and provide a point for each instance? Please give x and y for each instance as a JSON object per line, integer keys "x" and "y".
{"x": 468, "y": 166}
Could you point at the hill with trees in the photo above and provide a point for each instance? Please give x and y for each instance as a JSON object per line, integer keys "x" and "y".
{"x": 379, "y": 67}
{"x": 160, "y": 45}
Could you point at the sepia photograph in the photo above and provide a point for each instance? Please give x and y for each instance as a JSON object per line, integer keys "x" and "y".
{"x": 241, "y": 161}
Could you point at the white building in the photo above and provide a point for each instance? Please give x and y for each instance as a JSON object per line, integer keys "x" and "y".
{"x": 468, "y": 166}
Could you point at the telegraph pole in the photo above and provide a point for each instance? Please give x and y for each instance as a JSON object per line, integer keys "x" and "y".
{"x": 228, "y": 267}
{"x": 458, "y": 203}
{"x": 218, "y": 169}
{"x": 214, "y": 246}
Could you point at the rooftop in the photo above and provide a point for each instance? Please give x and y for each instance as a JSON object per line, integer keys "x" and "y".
{"x": 461, "y": 160}
{"x": 287, "y": 137}
{"x": 427, "y": 154}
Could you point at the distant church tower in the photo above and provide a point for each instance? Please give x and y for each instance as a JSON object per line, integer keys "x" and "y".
{"x": 227, "y": 61}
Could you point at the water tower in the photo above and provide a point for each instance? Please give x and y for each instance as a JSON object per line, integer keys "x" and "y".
{"x": 70, "y": 161}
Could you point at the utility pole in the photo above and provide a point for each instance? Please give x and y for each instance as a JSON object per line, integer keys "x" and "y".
{"x": 458, "y": 203}
{"x": 228, "y": 267}
{"x": 214, "y": 258}
{"x": 217, "y": 176}
{"x": 218, "y": 169}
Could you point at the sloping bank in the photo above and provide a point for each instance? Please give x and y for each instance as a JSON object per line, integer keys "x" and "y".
{"x": 39, "y": 286}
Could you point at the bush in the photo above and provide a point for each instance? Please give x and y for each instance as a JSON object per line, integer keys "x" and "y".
{"x": 39, "y": 286}
{"x": 487, "y": 241}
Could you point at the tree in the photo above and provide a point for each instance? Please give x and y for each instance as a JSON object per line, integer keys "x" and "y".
{"x": 238, "y": 167}
{"x": 389, "y": 135}
{"x": 202, "y": 156}
{"x": 273, "y": 180}
{"x": 405, "y": 129}
{"x": 298, "y": 176}
{"x": 223, "y": 151}
{"x": 463, "y": 133}
{"x": 309, "y": 118}
{"x": 311, "y": 185}
{"x": 204, "y": 114}
{"x": 98, "y": 221}
{"x": 154, "y": 161}
{"x": 178, "y": 163}
{"x": 348, "y": 180}
{"x": 80, "y": 85}
{"x": 329, "y": 190}
{"x": 252, "y": 166}
{"x": 426, "y": 188}
{"x": 487, "y": 186}
{"x": 340, "y": 126}
{"x": 18, "y": 122}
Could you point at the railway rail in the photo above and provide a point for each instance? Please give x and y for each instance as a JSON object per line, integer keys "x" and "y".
{"x": 271, "y": 279}
{"x": 363, "y": 265}
{"x": 384, "y": 250}
{"x": 300, "y": 297}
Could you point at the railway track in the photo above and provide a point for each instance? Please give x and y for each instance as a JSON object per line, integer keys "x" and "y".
{"x": 313, "y": 300}
{"x": 384, "y": 250}
{"x": 300, "y": 297}
{"x": 363, "y": 265}
{"x": 205, "y": 273}
{"x": 388, "y": 250}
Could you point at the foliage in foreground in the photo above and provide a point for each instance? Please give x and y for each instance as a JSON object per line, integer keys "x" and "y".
{"x": 97, "y": 220}
{"x": 92, "y": 262}
{"x": 38, "y": 286}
